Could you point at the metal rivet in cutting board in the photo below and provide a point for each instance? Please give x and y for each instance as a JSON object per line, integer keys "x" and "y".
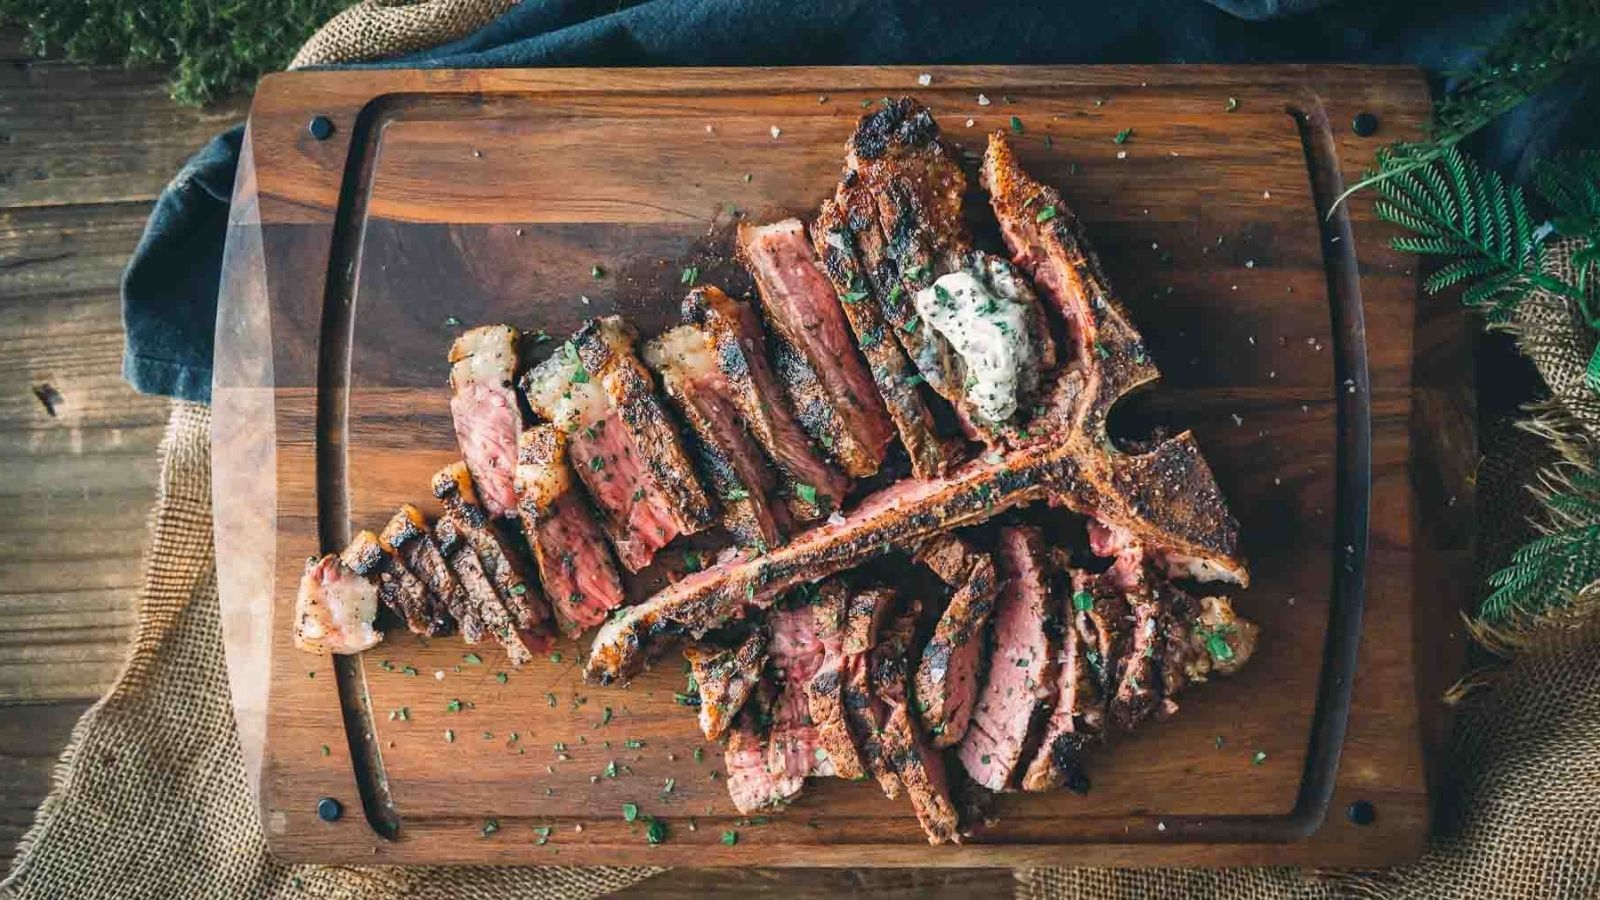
{"x": 321, "y": 127}
{"x": 1361, "y": 812}
{"x": 329, "y": 809}
{"x": 1365, "y": 124}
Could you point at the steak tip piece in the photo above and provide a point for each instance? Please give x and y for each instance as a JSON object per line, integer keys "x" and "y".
{"x": 335, "y": 609}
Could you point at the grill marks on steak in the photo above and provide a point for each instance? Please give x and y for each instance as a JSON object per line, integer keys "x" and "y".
{"x": 836, "y": 242}
{"x": 1163, "y": 496}
{"x": 830, "y": 384}
{"x": 725, "y": 678}
{"x": 825, "y": 690}
{"x": 752, "y": 784}
{"x": 1020, "y": 687}
{"x": 483, "y": 407}
{"x": 795, "y": 654}
{"x": 728, "y": 455}
{"x": 951, "y": 665}
{"x": 398, "y": 589}
{"x": 510, "y": 609}
{"x": 738, "y": 344}
{"x": 574, "y": 565}
{"x": 863, "y": 713}
{"x": 919, "y": 769}
{"x": 1079, "y": 700}
{"x": 623, "y": 447}
{"x": 898, "y": 165}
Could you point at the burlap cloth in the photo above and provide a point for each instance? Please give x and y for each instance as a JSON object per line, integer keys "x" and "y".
{"x": 150, "y": 797}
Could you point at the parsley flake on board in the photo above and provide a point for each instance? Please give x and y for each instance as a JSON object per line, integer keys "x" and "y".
{"x": 1123, "y": 135}
{"x": 1045, "y": 215}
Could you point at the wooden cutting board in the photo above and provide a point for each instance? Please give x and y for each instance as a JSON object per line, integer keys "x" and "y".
{"x": 377, "y": 213}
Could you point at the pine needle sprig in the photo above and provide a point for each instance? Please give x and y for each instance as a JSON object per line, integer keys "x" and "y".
{"x": 1531, "y": 56}
{"x": 1456, "y": 208}
{"x": 1548, "y": 577}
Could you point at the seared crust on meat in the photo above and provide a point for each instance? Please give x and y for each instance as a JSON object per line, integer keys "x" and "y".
{"x": 408, "y": 533}
{"x": 825, "y": 690}
{"x": 725, "y": 677}
{"x": 815, "y": 359}
{"x": 919, "y": 769}
{"x": 864, "y": 617}
{"x": 1165, "y": 495}
{"x": 511, "y": 609}
{"x": 606, "y": 347}
{"x": 951, "y": 664}
{"x": 739, "y": 347}
{"x": 484, "y": 410}
{"x": 398, "y": 589}
{"x": 836, "y": 241}
{"x": 728, "y": 455}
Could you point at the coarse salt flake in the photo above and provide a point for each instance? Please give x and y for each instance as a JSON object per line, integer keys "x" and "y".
{"x": 1122, "y": 154}
{"x": 835, "y": 518}
{"x": 1249, "y": 264}
{"x": 924, "y": 79}
{"x": 439, "y": 674}
{"x": 969, "y": 123}
{"x": 1266, "y": 195}
{"x": 982, "y": 100}
{"x": 1238, "y": 420}
{"x": 775, "y": 131}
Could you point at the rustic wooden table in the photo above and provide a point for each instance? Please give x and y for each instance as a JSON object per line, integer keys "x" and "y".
{"x": 84, "y": 152}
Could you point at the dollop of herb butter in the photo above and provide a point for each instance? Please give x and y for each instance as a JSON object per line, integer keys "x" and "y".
{"x": 979, "y": 313}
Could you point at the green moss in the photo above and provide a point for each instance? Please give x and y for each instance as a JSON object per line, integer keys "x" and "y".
{"x": 212, "y": 47}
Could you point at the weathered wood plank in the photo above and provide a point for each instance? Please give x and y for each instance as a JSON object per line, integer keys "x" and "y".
{"x": 31, "y": 738}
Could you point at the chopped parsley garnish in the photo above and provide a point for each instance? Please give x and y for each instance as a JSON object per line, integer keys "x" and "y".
{"x": 1123, "y": 135}
{"x": 896, "y": 292}
{"x": 986, "y": 759}
{"x": 730, "y": 838}
{"x": 473, "y": 658}
{"x": 748, "y": 176}
{"x": 453, "y": 706}
{"x": 540, "y": 336}
{"x": 737, "y": 494}
{"x": 917, "y": 272}
{"x": 1218, "y": 647}
{"x": 452, "y": 321}
{"x": 501, "y": 677}
{"x": 580, "y": 375}
{"x": 597, "y": 272}
{"x": 1045, "y": 215}
{"x": 690, "y": 275}
{"x": 854, "y": 296}
{"x": 386, "y": 665}
{"x": 806, "y": 493}
{"x": 1021, "y": 663}
{"x": 597, "y": 463}
{"x": 605, "y": 718}
{"x": 1048, "y": 142}
{"x": 1233, "y": 104}
{"x": 638, "y": 494}
{"x": 409, "y": 670}
{"x": 555, "y": 657}
{"x": 656, "y": 831}
{"x": 517, "y": 590}
{"x": 325, "y": 750}
{"x": 551, "y": 699}
{"x": 1218, "y": 741}
{"x": 910, "y": 325}
{"x": 630, "y": 812}
{"x": 1016, "y": 125}
{"x": 1259, "y": 757}
{"x": 692, "y": 561}
{"x": 611, "y": 769}
{"x": 943, "y": 295}
{"x": 633, "y": 743}
{"x": 750, "y": 590}
{"x": 914, "y": 380}
{"x": 490, "y": 826}
{"x": 669, "y": 786}
{"x": 1082, "y": 601}
{"x": 699, "y": 754}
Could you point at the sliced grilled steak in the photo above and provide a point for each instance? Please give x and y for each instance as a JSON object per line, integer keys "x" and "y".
{"x": 725, "y": 677}
{"x": 408, "y": 533}
{"x": 729, "y": 456}
{"x": 1164, "y": 497}
{"x": 398, "y": 589}
{"x": 836, "y": 240}
{"x": 1020, "y": 689}
{"x": 864, "y": 618}
{"x": 1137, "y": 689}
{"x": 483, "y": 405}
{"x": 752, "y": 784}
{"x": 813, "y": 486}
{"x": 825, "y": 689}
{"x": 1164, "y": 494}
{"x": 1080, "y": 700}
{"x": 952, "y": 662}
{"x": 622, "y": 446}
{"x": 497, "y": 598}
{"x": 794, "y": 744}
{"x": 334, "y": 609}
{"x": 803, "y": 309}
{"x": 502, "y": 562}
{"x": 971, "y": 326}
{"x": 918, "y": 767}
{"x": 574, "y": 565}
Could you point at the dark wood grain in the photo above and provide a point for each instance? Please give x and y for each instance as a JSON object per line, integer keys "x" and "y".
{"x": 490, "y": 196}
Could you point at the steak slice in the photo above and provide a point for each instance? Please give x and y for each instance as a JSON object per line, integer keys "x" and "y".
{"x": 918, "y": 767}
{"x": 813, "y": 486}
{"x": 1020, "y": 689}
{"x": 864, "y": 618}
{"x": 950, "y": 668}
{"x": 1080, "y": 700}
{"x": 491, "y": 576}
{"x": 407, "y": 532}
{"x": 1163, "y": 497}
{"x": 484, "y": 612}
{"x": 623, "y": 447}
{"x": 825, "y": 690}
{"x": 803, "y": 309}
{"x": 483, "y": 406}
{"x": 836, "y": 240}
{"x": 950, "y": 330}
{"x": 398, "y": 589}
{"x": 796, "y": 654}
{"x": 725, "y": 678}
{"x": 729, "y": 456}
{"x": 334, "y": 609}
{"x": 752, "y": 783}
{"x": 574, "y": 566}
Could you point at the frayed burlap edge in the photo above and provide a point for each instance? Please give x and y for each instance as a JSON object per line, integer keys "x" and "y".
{"x": 376, "y": 29}
{"x": 150, "y": 797}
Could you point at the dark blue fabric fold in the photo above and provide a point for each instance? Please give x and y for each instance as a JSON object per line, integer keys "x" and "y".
{"x": 169, "y": 290}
